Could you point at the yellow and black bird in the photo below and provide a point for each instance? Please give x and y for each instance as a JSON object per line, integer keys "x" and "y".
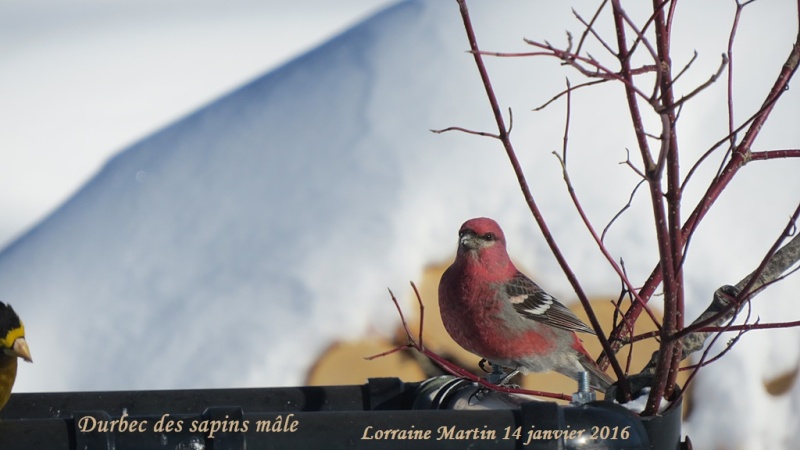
{"x": 12, "y": 346}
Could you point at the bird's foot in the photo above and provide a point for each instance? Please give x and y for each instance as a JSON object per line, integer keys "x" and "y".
{"x": 506, "y": 380}
{"x": 498, "y": 376}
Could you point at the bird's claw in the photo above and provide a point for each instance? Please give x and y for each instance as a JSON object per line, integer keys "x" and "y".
{"x": 497, "y": 375}
{"x": 496, "y": 378}
{"x": 500, "y": 378}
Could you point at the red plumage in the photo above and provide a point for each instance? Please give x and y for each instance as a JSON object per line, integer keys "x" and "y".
{"x": 493, "y": 310}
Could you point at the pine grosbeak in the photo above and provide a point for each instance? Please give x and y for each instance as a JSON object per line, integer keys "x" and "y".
{"x": 493, "y": 310}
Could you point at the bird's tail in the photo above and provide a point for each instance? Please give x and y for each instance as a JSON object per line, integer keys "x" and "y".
{"x": 598, "y": 380}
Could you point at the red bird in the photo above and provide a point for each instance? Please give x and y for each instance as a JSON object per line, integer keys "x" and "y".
{"x": 493, "y": 310}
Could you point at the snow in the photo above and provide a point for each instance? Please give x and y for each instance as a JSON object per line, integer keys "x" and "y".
{"x": 82, "y": 80}
{"x": 230, "y": 247}
{"x": 639, "y": 403}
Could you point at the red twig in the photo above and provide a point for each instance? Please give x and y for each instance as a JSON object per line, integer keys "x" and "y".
{"x": 421, "y": 314}
{"x": 642, "y": 39}
{"x": 569, "y": 58}
{"x": 573, "y": 60}
{"x": 731, "y": 39}
{"x": 643, "y": 336}
{"x": 703, "y": 86}
{"x": 668, "y": 227}
{"x": 619, "y": 213}
{"x": 590, "y": 29}
{"x": 623, "y": 55}
{"x": 753, "y": 326}
{"x": 774, "y": 154}
{"x": 465, "y": 130}
{"x": 567, "y": 91}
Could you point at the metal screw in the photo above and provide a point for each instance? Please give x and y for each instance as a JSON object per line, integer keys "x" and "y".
{"x": 585, "y": 393}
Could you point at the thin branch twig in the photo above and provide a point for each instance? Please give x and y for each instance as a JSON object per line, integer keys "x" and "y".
{"x": 619, "y": 213}
{"x": 468, "y": 131}
{"x": 566, "y": 91}
{"x": 589, "y": 28}
{"x": 774, "y": 154}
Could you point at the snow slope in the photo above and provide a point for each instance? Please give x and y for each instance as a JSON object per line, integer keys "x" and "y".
{"x": 83, "y": 80}
{"x": 231, "y": 247}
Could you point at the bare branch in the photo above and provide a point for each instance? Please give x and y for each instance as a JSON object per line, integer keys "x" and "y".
{"x": 685, "y": 68}
{"x": 642, "y": 39}
{"x": 775, "y": 154}
{"x": 568, "y": 90}
{"x": 571, "y": 59}
{"x": 563, "y": 158}
{"x": 464, "y": 130}
{"x": 703, "y": 86}
{"x": 619, "y": 213}
{"x": 630, "y": 164}
{"x": 623, "y": 54}
{"x": 421, "y": 314}
{"x": 669, "y": 238}
{"x": 753, "y": 326}
{"x": 640, "y": 337}
{"x": 731, "y": 38}
{"x": 590, "y": 29}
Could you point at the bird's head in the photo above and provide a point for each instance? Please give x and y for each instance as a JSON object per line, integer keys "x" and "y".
{"x": 480, "y": 234}
{"x": 12, "y": 334}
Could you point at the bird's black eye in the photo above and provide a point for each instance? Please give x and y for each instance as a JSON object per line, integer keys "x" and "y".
{"x": 489, "y": 237}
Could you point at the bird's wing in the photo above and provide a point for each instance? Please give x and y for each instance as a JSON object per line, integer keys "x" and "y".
{"x": 534, "y": 303}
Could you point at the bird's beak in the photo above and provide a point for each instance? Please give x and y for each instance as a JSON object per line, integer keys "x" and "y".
{"x": 468, "y": 241}
{"x": 21, "y": 350}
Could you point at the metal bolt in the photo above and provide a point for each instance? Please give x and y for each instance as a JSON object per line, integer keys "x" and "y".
{"x": 585, "y": 393}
